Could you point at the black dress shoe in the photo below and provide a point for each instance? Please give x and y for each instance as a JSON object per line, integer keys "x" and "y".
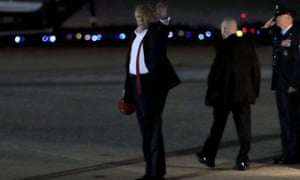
{"x": 205, "y": 160}
{"x": 278, "y": 160}
{"x": 146, "y": 177}
{"x": 242, "y": 166}
{"x": 141, "y": 178}
{"x": 290, "y": 160}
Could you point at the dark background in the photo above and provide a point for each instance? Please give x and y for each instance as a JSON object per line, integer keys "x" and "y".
{"x": 187, "y": 12}
{"x": 66, "y": 18}
{"x": 190, "y": 12}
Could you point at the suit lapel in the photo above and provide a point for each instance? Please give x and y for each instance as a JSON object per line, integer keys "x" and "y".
{"x": 146, "y": 49}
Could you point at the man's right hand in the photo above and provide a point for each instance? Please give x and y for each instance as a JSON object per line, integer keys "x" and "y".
{"x": 271, "y": 22}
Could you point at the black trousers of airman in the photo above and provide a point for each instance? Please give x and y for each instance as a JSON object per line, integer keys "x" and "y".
{"x": 288, "y": 105}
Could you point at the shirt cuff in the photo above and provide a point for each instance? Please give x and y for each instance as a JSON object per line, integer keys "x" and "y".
{"x": 166, "y": 21}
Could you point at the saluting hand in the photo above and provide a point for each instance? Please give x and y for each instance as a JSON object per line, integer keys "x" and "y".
{"x": 271, "y": 22}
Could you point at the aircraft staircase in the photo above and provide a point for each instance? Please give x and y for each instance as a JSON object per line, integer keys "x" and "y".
{"x": 38, "y": 14}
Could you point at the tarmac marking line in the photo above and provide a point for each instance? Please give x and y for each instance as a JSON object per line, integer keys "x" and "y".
{"x": 140, "y": 159}
{"x": 56, "y": 83}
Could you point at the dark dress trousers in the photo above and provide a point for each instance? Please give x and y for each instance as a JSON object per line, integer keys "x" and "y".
{"x": 286, "y": 73}
{"x": 233, "y": 84}
{"x": 150, "y": 104}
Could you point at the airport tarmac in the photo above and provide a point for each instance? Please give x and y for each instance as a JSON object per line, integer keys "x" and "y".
{"x": 59, "y": 118}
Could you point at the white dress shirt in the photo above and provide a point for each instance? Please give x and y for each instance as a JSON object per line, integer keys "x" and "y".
{"x": 283, "y": 32}
{"x": 134, "y": 50}
{"x": 133, "y": 54}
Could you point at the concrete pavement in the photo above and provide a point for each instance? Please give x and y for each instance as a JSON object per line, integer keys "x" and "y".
{"x": 59, "y": 119}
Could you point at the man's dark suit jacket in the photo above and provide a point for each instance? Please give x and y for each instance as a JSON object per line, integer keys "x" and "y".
{"x": 161, "y": 76}
{"x": 235, "y": 73}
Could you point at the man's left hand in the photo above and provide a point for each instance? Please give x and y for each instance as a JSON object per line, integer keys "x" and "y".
{"x": 162, "y": 10}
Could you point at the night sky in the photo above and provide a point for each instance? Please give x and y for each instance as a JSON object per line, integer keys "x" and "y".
{"x": 184, "y": 12}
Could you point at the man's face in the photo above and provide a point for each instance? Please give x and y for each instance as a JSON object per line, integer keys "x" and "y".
{"x": 283, "y": 21}
{"x": 142, "y": 19}
{"x": 223, "y": 29}
{"x": 228, "y": 28}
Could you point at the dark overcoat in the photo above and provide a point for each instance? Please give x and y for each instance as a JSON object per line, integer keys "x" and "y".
{"x": 234, "y": 76}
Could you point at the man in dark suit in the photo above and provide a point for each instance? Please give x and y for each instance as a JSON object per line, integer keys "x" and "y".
{"x": 233, "y": 84}
{"x": 149, "y": 77}
{"x": 286, "y": 80}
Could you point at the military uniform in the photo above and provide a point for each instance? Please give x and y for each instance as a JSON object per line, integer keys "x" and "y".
{"x": 286, "y": 74}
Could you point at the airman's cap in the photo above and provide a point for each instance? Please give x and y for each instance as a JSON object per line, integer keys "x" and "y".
{"x": 281, "y": 10}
